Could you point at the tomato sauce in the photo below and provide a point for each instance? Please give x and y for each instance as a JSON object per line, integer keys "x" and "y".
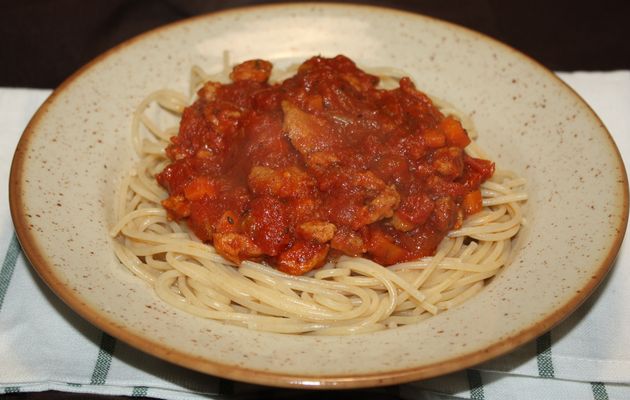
{"x": 322, "y": 164}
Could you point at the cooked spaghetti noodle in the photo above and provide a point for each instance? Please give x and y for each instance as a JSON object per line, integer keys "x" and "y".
{"x": 348, "y": 296}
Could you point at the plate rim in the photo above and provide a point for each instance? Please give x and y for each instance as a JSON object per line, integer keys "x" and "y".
{"x": 36, "y": 257}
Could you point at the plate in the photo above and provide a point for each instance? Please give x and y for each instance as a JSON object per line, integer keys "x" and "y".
{"x": 77, "y": 148}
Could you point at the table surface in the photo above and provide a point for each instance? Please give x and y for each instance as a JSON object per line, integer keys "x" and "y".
{"x": 43, "y": 42}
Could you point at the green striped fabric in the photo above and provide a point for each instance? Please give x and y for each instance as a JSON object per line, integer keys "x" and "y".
{"x": 140, "y": 391}
{"x": 475, "y": 383}
{"x": 8, "y": 266}
{"x": 599, "y": 391}
{"x": 104, "y": 360}
{"x": 543, "y": 358}
{"x": 546, "y": 370}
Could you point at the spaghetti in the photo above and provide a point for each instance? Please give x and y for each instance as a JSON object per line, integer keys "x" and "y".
{"x": 347, "y": 296}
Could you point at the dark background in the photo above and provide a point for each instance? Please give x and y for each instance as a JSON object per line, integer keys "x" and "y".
{"x": 42, "y": 42}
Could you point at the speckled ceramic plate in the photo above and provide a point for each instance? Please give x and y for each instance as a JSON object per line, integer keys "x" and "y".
{"x": 77, "y": 147}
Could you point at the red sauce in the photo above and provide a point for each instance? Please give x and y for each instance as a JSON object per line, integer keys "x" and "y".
{"x": 299, "y": 172}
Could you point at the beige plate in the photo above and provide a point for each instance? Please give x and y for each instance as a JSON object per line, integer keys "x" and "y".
{"x": 77, "y": 147}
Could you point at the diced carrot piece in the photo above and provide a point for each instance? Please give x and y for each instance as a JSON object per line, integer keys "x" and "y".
{"x": 177, "y": 207}
{"x": 252, "y": 70}
{"x": 485, "y": 168}
{"x": 433, "y": 138}
{"x": 228, "y": 223}
{"x": 302, "y": 257}
{"x": 472, "y": 202}
{"x": 199, "y": 187}
{"x": 383, "y": 250}
{"x": 455, "y": 134}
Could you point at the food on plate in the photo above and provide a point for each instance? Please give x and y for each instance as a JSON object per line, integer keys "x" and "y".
{"x": 320, "y": 203}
